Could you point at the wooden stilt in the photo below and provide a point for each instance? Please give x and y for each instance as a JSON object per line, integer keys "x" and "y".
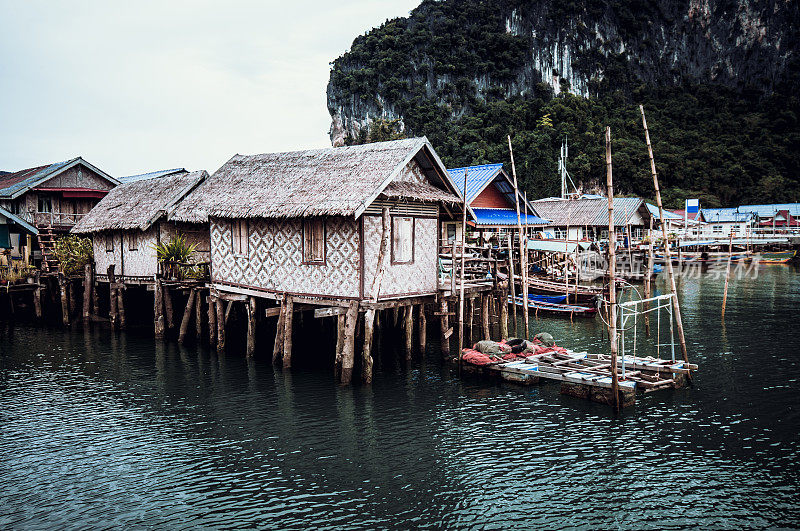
{"x": 511, "y": 283}
{"x": 523, "y": 251}
{"x": 198, "y": 314}
{"x": 612, "y": 269}
{"x": 287, "y": 333}
{"x": 667, "y": 254}
{"x": 158, "y": 309}
{"x": 212, "y": 320}
{"x": 648, "y": 287}
{"x": 277, "y": 349}
{"x": 187, "y": 317}
{"x": 423, "y": 329}
{"x": 168, "y": 308}
{"x": 503, "y": 307}
{"x": 251, "y": 326}
{"x": 369, "y": 326}
{"x": 444, "y": 326}
{"x": 485, "y": 316}
{"x": 62, "y": 284}
{"x": 88, "y": 286}
{"x": 95, "y": 298}
{"x": 408, "y": 330}
{"x": 340, "y": 326}
{"x": 37, "y": 296}
{"x": 395, "y": 316}
{"x": 727, "y": 274}
{"x": 462, "y": 271}
{"x": 113, "y": 301}
{"x": 348, "y": 349}
{"x": 121, "y": 308}
{"x": 470, "y": 320}
{"x": 72, "y": 293}
{"x": 219, "y": 308}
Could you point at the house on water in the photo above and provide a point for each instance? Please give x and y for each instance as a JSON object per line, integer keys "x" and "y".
{"x": 134, "y": 217}
{"x": 587, "y": 218}
{"x": 310, "y": 223}
{"x": 38, "y": 204}
{"x": 490, "y": 201}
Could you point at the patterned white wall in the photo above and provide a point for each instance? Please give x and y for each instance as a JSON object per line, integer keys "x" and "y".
{"x": 403, "y": 279}
{"x": 275, "y": 255}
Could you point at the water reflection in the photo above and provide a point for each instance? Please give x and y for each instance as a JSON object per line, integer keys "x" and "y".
{"x": 102, "y": 429}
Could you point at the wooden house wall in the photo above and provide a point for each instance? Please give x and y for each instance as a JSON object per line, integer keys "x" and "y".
{"x": 103, "y": 258}
{"x": 140, "y": 262}
{"x": 417, "y": 277}
{"x": 274, "y": 261}
{"x": 78, "y": 177}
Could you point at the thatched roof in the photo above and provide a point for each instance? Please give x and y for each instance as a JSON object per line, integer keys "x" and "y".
{"x": 339, "y": 181}
{"x": 139, "y": 204}
{"x": 590, "y": 212}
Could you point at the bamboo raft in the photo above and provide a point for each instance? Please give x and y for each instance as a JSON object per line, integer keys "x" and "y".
{"x": 585, "y": 375}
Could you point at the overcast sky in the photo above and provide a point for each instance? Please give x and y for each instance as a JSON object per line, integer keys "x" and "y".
{"x": 146, "y": 85}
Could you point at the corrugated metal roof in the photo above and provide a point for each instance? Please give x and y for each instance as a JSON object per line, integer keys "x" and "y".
{"x": 13, "y": 182}
{"x": 724, "y": 215}
{"x": 151, "y": 175}
{"x": 767, "y": 211}
{"x": 477, "y": 177}
{"x": 667, "y": 214}
{"x": 492, "y": 217}
{"x": 588, "y": 212}
{"x": 19, "y": 221}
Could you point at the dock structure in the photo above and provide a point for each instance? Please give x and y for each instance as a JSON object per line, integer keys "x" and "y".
{"x": 585, "y": 375}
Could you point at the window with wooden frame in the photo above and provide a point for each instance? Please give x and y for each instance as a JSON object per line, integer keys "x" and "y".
{"x": 133, "y": 242}
{"x": 314, "y": 241}
{"x": 402, "y": 240}
{"x": 239, "y": 239}
{"x": 45, "y": 205}
{"x": 109, "y": 243}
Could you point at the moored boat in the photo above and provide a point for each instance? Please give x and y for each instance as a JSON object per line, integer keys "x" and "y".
{"x": 567, "y": 310}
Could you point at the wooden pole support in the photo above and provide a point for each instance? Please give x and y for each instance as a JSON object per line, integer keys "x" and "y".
{"x": 212, "y": 320}
{"x": 408, "y": 329}
{"x": 369, "y": 327}
{"x": 112, "y": 297}
{"x": 423, "y": 329}
{"x": 727, "y": 274}
{"x": 348, "y": 349}
{"x": 168, "y": 308}
{"x": 502, "y": 302}
{"x": 667, "y": 254}
{"x": 88, "y": 286}
{"x": 158, "y": 309}
{"x": 340, "y": 326}
{"x": 287, "y": 333}
{"x": 198, "y": 314}
{"x": 187, "y": 317}
{"x": 612, "y": 270}
{"x": 277, "y": 349}
{"x": 251, "y": 326}
{"x": 220, "y": 318}
{"x": 62, "y": 284}
{"x": 37, "y": 295}
{"x": 444, "y": 326}
{"x": 485, "y": 316}
{"x": 123, "y": 322}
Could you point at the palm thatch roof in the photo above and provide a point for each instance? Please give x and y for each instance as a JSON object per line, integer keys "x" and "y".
{"x": 139, "y": 204}
{"x": 590, "y": 212}
{"x": 340, "y": 181}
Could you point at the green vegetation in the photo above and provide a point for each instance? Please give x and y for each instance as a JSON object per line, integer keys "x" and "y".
{"x": 454, "y": 74}
{"x": 73, "y": 253}
{"x": 175, "y": 255}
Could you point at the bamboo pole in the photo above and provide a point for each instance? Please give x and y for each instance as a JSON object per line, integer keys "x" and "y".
{"x": 648, "y": 287}
{"x": 511, "y": 284}
{"x": 522, "y": 251}
{"x": 461, "y": 287}
{"x": 727, "y": 274}
{"x": 502, "y": 304}
{"x": 485, "y": 316}
{"x": 667, "y": 254}
{"x": 612, "y": 264}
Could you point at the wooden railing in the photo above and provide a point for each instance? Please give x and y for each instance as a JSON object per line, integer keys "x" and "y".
{"x": 63, "y": 219}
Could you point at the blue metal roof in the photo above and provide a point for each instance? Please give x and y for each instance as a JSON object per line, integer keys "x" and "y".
{"x": 767, "y": 211}
{"x": 667, "y": 214}
{"x": 477, "y": 177}
{"x": 19, "y": 221}
{"x": 497, "y": 216}
{"x": 724, "y": 215}
{"x": 13, "y": 182}
{"x": 151, "y": 175}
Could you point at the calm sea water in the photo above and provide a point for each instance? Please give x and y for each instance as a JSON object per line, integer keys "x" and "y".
{"x": 105, "y": 430}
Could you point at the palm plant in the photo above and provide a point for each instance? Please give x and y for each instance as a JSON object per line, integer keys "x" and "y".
{"x": 174, "y": 254}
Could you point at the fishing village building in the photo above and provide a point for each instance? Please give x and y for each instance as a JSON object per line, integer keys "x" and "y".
{"x": 587, "y": 218}
{"x": 38, "y": 204}
{"x": 490, "y": 201}
{"x": 722, "y": 222}
{"x": 128, "y": 223}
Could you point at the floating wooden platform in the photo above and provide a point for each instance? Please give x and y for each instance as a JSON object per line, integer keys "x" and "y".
{"x": 585, "y": 375}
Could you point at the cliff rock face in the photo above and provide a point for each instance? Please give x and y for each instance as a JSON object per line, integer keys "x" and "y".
{"x": 456, "y": 52}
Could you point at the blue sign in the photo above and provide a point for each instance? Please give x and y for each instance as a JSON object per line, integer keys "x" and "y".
{"x": 692, "y": 206}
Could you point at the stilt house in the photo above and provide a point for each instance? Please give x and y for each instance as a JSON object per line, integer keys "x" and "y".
{"x": 310, "y": 223}
{"x": 491, "y": 202}
{"x": 135, "y": 217}
{"x": 41, "y": 203}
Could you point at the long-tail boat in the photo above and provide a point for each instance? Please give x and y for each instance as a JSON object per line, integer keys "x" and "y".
{"x": 781, "y": 257}
{"x": 536, "y": 304}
